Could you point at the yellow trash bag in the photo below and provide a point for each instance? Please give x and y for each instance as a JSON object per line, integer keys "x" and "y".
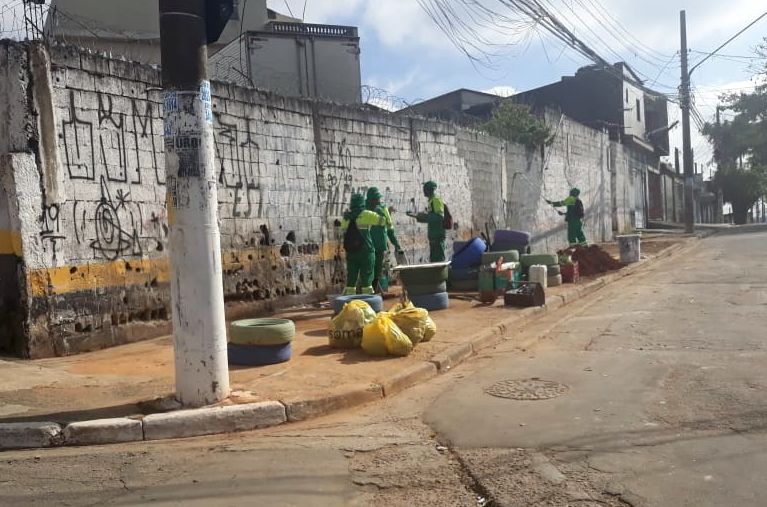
{"x": 345, "y": 329}
{"x": 382, "y": 337}
{"x": 431, "y": 330}
{"x": 412, "y": 322}
{"x": 402, "y": 305}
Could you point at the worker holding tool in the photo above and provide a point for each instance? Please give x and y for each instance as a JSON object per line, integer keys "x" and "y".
{"x": 380, "y": 233}
{"x": 574, "y": 217}
{"x": 358, "y": 243}
{"x": 438, "y": 220}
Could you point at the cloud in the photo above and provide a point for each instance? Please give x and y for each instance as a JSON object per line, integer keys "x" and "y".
{"x": 502, "y": 91}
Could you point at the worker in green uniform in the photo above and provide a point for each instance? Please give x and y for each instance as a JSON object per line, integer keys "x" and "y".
{"x": 358, "y": 243}
{"x": 434, "y": 217}
{"x": 574, "y": 217}
{"x": 380, "y": 233}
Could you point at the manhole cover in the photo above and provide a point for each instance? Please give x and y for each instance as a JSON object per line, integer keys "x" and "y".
{"x": 526, "y": 389}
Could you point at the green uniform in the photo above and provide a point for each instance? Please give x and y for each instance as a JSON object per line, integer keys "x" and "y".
{"x": 380, "y": 234}
{"x": 360, "y": 264}
{"x": 435, "y": 218}
{"x": 575, "y": 234}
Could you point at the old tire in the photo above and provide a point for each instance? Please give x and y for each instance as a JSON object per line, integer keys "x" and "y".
{"x": 464, "y": 285}
{"x": 431, "y": 302}
{"x": 518, "y": 237}
{"x": 423, "y": 276}
{"x": 262, "y": 332}
{"x": 259, "y": 355}
{"x": 528, "y": 260}
{"x": 508, "y": 256}
{"x": 554, "y": 281}
{"x": 374, "y": 300}
{"x": 503, "y": 246}
{"x": 427, "y": 288}
{"x": 553, "y": 270}
{"x": 463, "y": 274}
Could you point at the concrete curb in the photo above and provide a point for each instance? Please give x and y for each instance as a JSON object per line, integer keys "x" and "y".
{"x": 233, "y": 418}
{"x": 29, "y": 435}
{"x": 408, "y": 378}
{"x": 208, "y": 421}
{"x": 303, "y": 409}
{"x": 103, "y": 431}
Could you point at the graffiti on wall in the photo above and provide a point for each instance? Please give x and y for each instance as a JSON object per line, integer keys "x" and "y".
{"x": 335, "y": 178}
{"x": 239, "y": 159}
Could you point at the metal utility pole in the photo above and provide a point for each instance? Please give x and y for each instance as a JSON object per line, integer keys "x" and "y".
{"x": 197, "y": 293}
{"x": 684, "y": 101}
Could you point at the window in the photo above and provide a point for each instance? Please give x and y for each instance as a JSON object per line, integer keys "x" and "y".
{"x": 639, "y": 110}
{"x": 627, "y": 95}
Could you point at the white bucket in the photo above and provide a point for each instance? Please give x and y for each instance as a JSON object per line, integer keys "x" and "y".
{"x": 539, "y": 274}
{"x": 630, "y": 247}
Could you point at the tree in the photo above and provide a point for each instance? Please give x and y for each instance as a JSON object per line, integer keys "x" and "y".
{"x": 740, "y": 147}
{"x": 516, "y": 123}
{"x": 741, "y": 188}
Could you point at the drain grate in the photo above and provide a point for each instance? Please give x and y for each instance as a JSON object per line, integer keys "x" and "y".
{"x": 526, "y": 389}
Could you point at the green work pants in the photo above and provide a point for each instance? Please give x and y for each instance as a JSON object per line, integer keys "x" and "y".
{"x": 378, "y": 267}
{"x": 436, "y": 250}
{"x": 575, "y": 235}
{"x": 359, "y": 270}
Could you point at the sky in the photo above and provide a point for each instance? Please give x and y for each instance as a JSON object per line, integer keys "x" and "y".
{"x": 406, "y": 58}
{"x": 404, "y": 53}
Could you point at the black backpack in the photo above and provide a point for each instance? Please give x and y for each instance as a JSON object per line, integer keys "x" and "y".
{"x": 447, "y": 221}
{"x": 353, "y": 240}
{"x": 579, "y": 211}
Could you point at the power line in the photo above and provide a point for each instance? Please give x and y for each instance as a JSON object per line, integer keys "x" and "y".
{"x": 725, "y": 43}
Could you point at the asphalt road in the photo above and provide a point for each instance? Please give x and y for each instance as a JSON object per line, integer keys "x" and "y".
{"x": 654, "y": 396}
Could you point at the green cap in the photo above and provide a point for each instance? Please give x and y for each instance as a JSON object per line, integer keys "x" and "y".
{"x": 358, "y": 202}
{"x": 575, "y": 192}
{"x": 430, "y": 185}
{"x": 374, "y": 193}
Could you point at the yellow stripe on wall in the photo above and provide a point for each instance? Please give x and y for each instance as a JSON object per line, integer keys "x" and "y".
{"x": 10, "y": 243}
{"x": 99, "y": 275}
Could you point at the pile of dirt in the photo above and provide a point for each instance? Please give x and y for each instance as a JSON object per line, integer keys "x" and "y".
{"x": 592, "y": 260}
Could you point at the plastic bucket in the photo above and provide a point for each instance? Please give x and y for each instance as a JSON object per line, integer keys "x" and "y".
{"x": 539, "y": 274}
{"x": 630, "y": 247}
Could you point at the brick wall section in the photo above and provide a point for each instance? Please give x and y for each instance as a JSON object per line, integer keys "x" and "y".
{"x": 93, "y": 224}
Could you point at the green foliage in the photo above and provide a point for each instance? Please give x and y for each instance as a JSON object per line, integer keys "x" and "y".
{"x": 741, "y": 188}
{"x": 516, "y": 123}
{"x": 740, "y": 147}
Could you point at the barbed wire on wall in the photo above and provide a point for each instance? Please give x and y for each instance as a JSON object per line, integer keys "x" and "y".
{"x": 383, "y": 99}
{"x": 24, "y": 20}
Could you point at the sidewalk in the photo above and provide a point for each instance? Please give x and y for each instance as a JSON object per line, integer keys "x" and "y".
{"x": 122, "y": 381}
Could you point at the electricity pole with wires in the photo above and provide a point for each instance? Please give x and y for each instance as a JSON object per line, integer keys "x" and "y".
{"x": 197, "y": 292}
{"x": 685, "y": 102}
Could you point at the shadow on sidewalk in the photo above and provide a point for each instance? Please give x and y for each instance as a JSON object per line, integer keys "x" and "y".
{"x": 124, "y": 410}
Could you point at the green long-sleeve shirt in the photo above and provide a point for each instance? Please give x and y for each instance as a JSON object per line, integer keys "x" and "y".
{"x": 380, "y": 233}
{"x": 572, "y": 205}
{"x": 366, "y": 221}
{"x": 434, "y": 217}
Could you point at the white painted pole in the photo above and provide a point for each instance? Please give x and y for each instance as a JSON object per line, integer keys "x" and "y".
{"x": 197, "y": 294}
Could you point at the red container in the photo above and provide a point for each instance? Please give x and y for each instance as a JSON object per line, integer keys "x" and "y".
{"x": 570, "y": 273}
